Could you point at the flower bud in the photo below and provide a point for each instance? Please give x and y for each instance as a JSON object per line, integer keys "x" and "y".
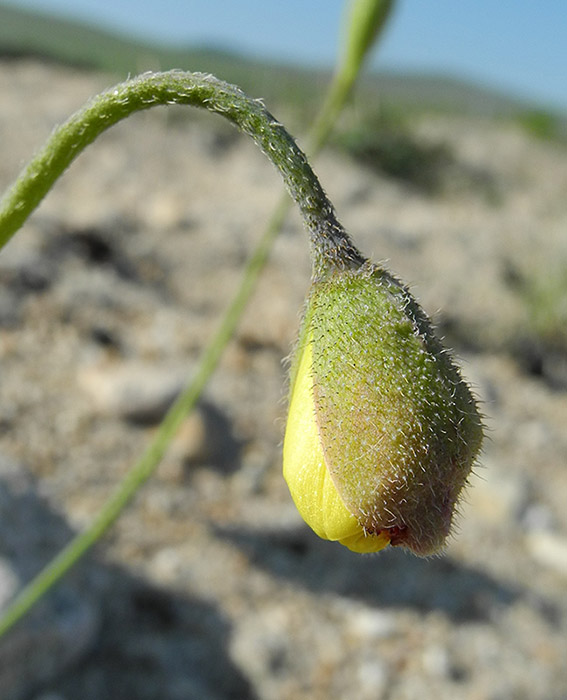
{"x": 382, "y": 431}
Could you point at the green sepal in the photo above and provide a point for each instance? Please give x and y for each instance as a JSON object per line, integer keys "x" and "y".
{"x": 399, "y": 428}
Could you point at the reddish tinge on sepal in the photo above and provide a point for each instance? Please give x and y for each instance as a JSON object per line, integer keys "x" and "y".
{"x": 382, "y": 430}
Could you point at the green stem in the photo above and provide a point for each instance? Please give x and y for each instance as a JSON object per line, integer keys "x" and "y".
{"x": 328, "y": 237}
{"x": 17, "y": 206}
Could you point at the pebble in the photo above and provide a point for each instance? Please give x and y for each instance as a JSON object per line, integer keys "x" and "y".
{"x": 497, "y": 496}
{"x": 549, "y": 549}
{"x": 368, "y": 624}
{"x": 372, "y": 679}
{"x": 135, "y": 391}
{"x": 205, "y": 437}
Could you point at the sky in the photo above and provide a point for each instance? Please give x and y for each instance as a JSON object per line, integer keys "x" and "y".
{"x": 517, "y": 46}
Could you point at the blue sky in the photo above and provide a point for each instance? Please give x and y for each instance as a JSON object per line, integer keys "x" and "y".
{"x": 519, "y": 46}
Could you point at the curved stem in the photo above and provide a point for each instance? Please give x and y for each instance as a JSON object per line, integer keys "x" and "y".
{"x": 329, "y": 241}
{"x": 26, "y": 195}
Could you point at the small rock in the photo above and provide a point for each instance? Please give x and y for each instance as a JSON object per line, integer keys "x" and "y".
{"x": 370, "y": 625}
{"x": 205, "y": 437}
{"x": 372, "y": 677}
{"x": 162, "y": 211}
{"x": 497, "y": 497}
{"x": 136, "y": 391}
{"x": 196, "y": 441}
{"x": 436, "y": 660}
{"x": 537, "y": 517}
{"x": 549, "y": 549}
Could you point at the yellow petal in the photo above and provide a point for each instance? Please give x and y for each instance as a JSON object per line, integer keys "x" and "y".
{"x": 306, "y": 473}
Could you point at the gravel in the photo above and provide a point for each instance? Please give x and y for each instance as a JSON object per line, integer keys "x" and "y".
{"x": 210, "y": 586}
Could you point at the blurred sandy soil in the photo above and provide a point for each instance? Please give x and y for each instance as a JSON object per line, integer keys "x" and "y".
{"x": 210, "y": 586}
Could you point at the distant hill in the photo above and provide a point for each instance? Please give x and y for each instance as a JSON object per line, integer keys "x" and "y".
{"x": 27, "y": 34}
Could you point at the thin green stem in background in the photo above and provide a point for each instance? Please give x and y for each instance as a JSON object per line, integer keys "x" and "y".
{"x": 38, "y": 178}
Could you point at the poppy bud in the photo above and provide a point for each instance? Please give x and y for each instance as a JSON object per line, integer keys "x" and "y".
{"x": 382, "y": 431}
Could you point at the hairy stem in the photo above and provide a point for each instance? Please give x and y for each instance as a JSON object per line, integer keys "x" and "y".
{"x": 64, "y": 146}
{"x": 367, "y": 19}
{"x": 31, "y": 188}
{"x": 330, "y": 243}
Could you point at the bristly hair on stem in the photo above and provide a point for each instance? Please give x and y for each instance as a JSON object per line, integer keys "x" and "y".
{"x": 331, "y": 246}
{"x": 368, "y": 19}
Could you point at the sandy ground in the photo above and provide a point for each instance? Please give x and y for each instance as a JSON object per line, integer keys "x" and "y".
{"x": 210, "y": 586}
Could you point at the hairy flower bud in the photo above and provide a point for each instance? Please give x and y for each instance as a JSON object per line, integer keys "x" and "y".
{"x": 382, "y": 431}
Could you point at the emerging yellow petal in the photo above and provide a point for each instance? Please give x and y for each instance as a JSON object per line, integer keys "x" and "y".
{"x": 306, "y": 473}
{"x": 382, "y": 430}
